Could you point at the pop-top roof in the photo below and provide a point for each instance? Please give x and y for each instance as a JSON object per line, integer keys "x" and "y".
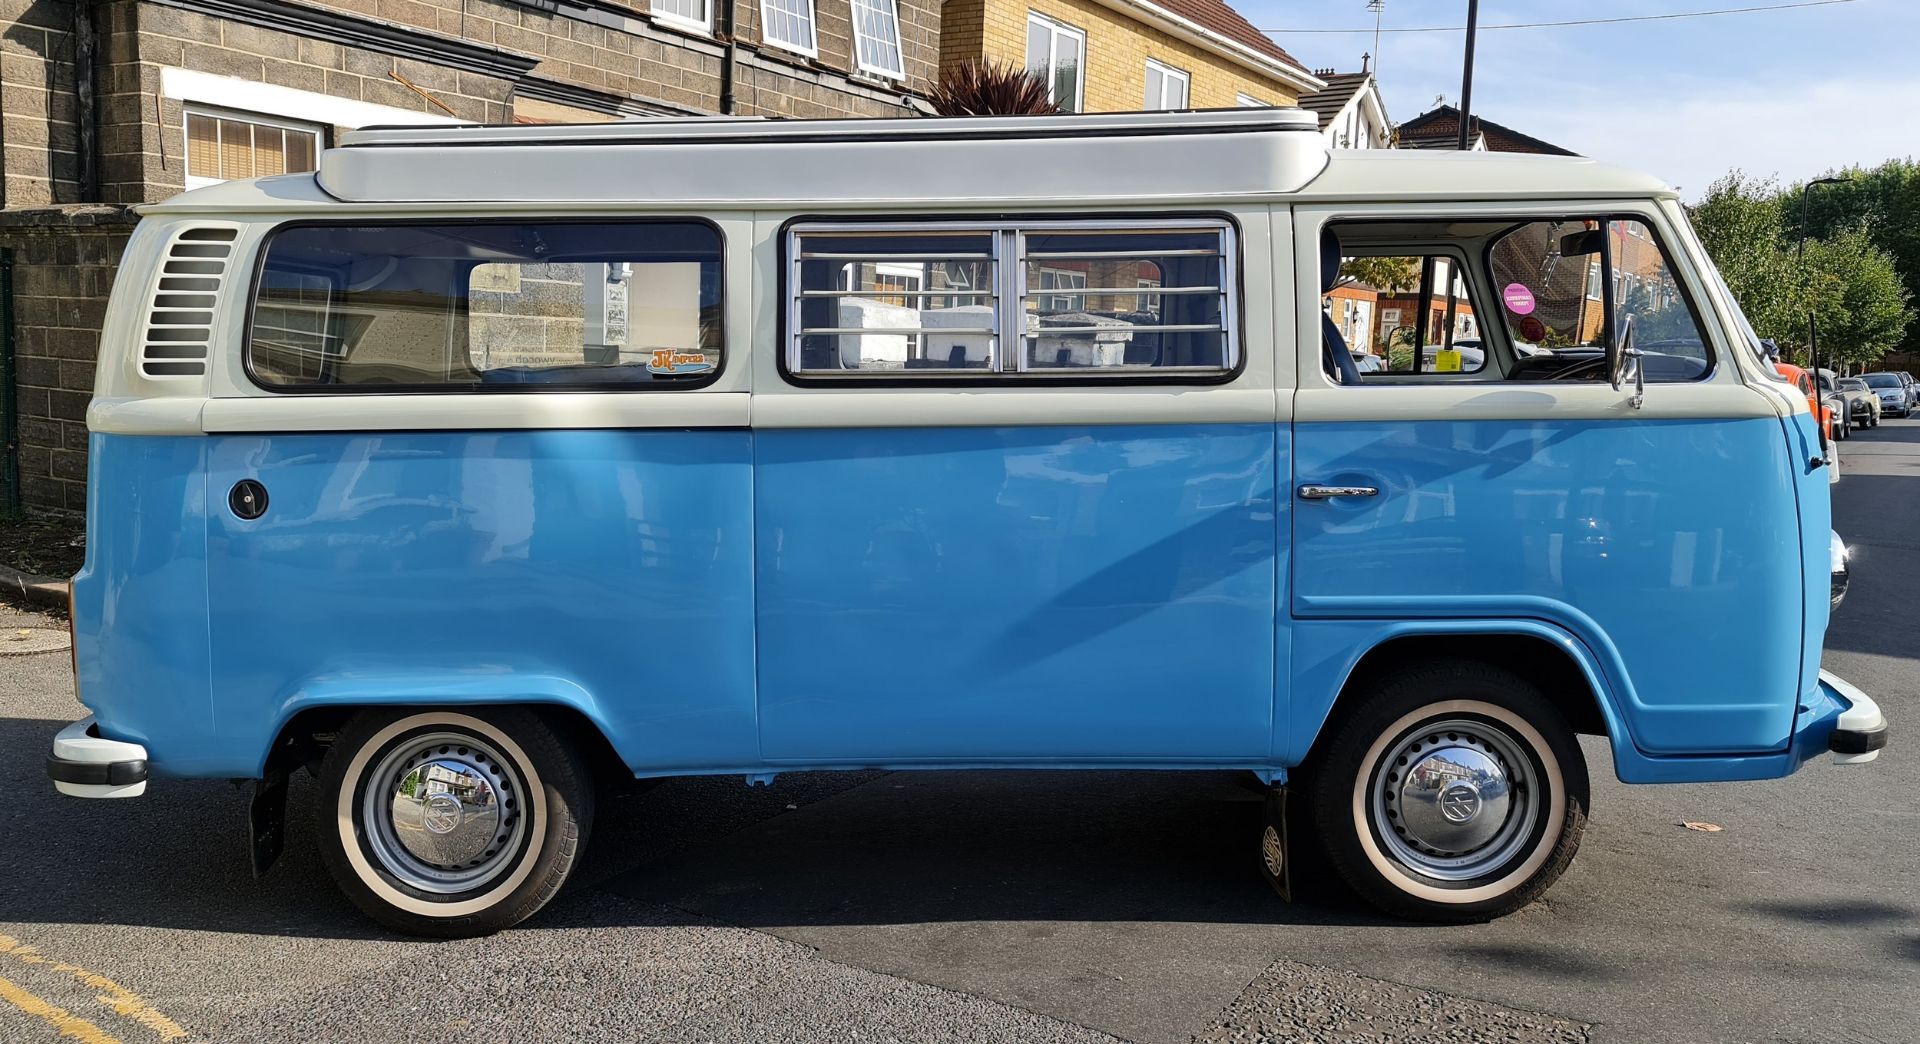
{"x": 834, "y": 162}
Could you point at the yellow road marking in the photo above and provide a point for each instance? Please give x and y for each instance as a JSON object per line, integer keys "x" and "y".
{"x": 122, "y": 1000}
{"x": 68, "y": 1024}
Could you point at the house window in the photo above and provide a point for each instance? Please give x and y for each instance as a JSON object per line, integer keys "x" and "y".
{"x": 223, "y": 146}
{"x": 876, "y": 31}
{"x": 1079, "y": 299}
{"x": 1166, "y": 86}
{"x": 788, "y": 24}
{"x": 1248, "y": 101}
{"x": 1058, "y": 279}
{"x": 1057, "y": 52}
{"x": 692, "y": 14}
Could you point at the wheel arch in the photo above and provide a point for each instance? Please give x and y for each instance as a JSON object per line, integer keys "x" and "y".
{"x": 1548, "y": 657}
{"x": 304, "y": 736}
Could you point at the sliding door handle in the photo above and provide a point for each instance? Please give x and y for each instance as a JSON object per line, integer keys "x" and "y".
{"x": 1329, "y": 492}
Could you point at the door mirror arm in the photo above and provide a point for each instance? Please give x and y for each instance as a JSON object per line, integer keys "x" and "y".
{"x": 1624, "y": 360}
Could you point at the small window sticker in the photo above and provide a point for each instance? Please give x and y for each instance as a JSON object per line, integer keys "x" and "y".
{"x": 1446, "y": 360}
{"x": 1519, "y": 299}
{"x": 1533, "y": 329}
{"x": 674, "y": 362}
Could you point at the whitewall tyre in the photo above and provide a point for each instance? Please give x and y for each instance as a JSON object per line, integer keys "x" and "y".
{"x": 451, "y": 823}
{"x": 1453, "y": 791}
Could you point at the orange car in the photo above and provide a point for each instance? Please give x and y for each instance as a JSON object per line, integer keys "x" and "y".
{"x": 1803, "y": 380}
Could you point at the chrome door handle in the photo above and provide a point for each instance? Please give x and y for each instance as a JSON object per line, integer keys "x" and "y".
{"x": 1329, "y": 492}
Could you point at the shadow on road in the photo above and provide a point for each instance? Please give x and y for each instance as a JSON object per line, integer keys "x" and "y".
{"x": 1850, "y": 912}
{"x": 903, "y": 848}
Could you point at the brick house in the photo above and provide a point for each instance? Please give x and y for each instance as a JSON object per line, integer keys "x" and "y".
{"x": 1123, "y": 56}
{"x": 1439, "y": 128}
{"x": 111, "y": 103}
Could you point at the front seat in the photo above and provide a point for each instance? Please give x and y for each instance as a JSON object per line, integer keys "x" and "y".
{"x": 1339, "y": 360}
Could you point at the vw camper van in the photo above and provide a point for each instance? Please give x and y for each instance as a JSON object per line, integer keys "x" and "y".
{"x": 487, "y": 461}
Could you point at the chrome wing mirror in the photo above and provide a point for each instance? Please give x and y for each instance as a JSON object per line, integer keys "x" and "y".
{"x": 1625, "y": 362}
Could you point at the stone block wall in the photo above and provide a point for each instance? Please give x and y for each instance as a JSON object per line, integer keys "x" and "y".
{"x": 63, "y": 261}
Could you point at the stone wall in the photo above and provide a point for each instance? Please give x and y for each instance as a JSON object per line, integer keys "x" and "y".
{"x": 63, "y": 261}
{"x": 38, "y": 130}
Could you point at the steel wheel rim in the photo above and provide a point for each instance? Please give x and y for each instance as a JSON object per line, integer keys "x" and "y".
{"x": 444, "y": 812}
{"x": 1455, "y": 799}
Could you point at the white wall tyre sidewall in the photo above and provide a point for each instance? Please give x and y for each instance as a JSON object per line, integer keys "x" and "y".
{"x": 1553, "y": 780}
{"x": 347, "y": 802}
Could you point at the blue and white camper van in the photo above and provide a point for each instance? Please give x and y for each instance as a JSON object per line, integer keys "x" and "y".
{"x": 485, "y": 459}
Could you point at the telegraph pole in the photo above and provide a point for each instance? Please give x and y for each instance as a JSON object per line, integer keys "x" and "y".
{"x": 1466, "y": 76}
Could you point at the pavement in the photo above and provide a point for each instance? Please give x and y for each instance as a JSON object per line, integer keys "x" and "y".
{"x": 1017, "y": 906}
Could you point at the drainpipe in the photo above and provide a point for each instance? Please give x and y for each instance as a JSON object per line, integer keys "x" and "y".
{"x": 85, "y": 83}
{"x": 727, "y": 64}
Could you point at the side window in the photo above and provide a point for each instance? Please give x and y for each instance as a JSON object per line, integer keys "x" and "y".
{"x": 1556, "y": 280}
{"x": 1078, "y": 300}
{"x": 483, "y": 305}
{"x": 1407, "y": 313}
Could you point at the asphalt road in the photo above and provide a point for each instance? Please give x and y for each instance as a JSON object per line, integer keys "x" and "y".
{"x": 1008, "y": 907}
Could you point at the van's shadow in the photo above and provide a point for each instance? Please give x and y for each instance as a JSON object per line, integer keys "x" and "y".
{"x": 900, "y": 848}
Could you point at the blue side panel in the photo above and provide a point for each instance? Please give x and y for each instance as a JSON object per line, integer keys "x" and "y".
{"x": 1815, "y": 492}
{"x": 1064, "y": 594}
{"x": 606, "y": 570}
{"x": 139, "y": 603}
{"x": 1671, "y": 549}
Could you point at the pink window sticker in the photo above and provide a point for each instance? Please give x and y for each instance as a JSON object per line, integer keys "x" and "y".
{"x": 1519, "y": 299}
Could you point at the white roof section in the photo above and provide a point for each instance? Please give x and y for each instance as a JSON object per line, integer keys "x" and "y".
{"x": 1180, "y": 159}
{"x": 834, "y": 163}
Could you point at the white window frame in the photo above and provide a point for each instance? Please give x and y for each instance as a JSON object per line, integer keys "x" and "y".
{"x": 192, "y": 109}
{"x": 1169, "y": 74}
{"x": 1008, "y": 262}
{"x": 811, "y": 49}
{"x": 891, "y": 7}
{"x": 1248, "y": 101}
{"x": 1055, "y": 30}
{"x": 704, "y": 26}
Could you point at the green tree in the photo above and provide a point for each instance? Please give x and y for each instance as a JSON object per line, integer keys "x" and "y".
{"x": 1884, "y": 201}
{"x": 1851, "y": 283}
{"x": 1393, "y": 274}
{"x": 1857, "y": 297}
{"x": 1739, "y": 221}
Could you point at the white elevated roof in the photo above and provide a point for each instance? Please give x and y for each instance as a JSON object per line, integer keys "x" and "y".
{"x": 1181, "y": 158}
{"x": 1030, "y": 159}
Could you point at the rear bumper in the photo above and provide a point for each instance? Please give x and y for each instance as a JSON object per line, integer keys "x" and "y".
{"x": 88, "y": 765}
{"x": 1860, "y": 731}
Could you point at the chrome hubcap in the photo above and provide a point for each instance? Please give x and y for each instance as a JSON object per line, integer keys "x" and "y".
{"x": 1455, "y": 799}
{"x": 443, "y": 812}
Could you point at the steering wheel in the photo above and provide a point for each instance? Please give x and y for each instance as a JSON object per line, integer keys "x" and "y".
{"x": 1579, "y": 370}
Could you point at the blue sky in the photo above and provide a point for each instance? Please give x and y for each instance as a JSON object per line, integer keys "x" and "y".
{"x": 1779, "y": 93}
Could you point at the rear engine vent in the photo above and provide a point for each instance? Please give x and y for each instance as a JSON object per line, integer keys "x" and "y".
{"x": 179, "y": 327}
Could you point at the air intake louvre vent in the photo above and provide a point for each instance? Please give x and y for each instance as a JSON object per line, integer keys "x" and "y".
{"x": 179, "y": 326}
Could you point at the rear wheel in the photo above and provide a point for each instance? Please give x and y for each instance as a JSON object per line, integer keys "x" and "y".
{"x": 451, "y": 823}
{"x": 1450, "y": 792}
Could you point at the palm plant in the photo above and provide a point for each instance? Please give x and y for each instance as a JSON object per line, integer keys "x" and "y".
{"x": 977, "y": 87}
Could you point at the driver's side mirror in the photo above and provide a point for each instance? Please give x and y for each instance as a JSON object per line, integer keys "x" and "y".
{"x": 1624, "y": 361}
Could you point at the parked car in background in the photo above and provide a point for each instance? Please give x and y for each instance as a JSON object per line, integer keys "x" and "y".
{"x": 1803, "y": 380}
{"x": 1863, "y": 406}
{"x": 1835, "y": 401}
{"x": 1896, "y": 397}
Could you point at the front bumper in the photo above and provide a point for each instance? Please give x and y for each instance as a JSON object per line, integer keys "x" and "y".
{"x": 88, "y": 765}
{"x": 1860, "y": 731}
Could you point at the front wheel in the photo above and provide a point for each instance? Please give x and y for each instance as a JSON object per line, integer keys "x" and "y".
{"x": 451, "y": 823}
{"x": 1451, "y": 792}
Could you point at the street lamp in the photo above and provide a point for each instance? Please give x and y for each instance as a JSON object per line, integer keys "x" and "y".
{"x": 1466, "y": 75}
